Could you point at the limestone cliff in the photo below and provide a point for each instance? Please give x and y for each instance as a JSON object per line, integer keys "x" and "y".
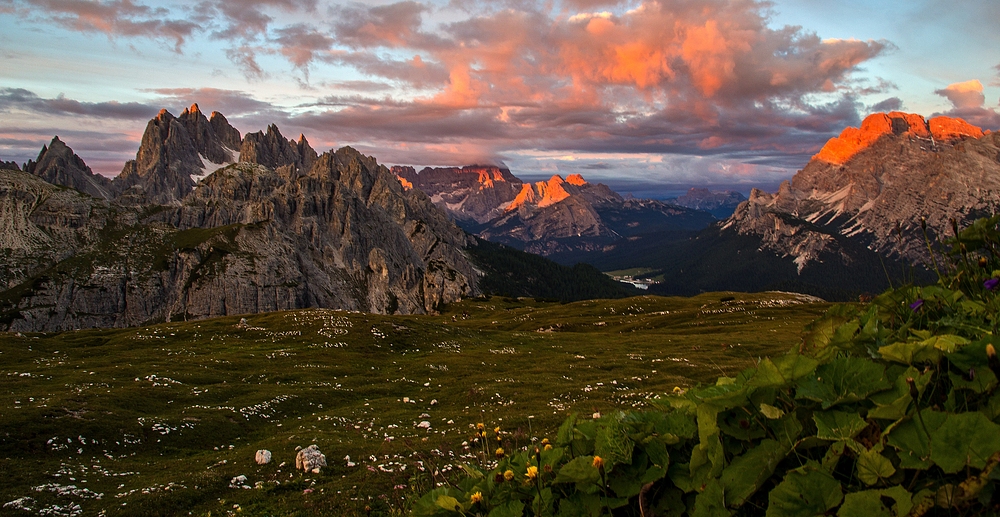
{"x": 59, "y": 165}
{"x": 893, "y": 172}
{"x": 176, "y": 152}
{"x": 342, "y": 233}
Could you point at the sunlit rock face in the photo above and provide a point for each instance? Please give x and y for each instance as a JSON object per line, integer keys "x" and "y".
{"x": 545, "y": 217}
{"x": 875, "y": 184}
{"x": 472, "y": 193}
{"x": 335, "y": 230}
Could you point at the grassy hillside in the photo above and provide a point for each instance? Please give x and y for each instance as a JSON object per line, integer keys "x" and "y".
{"x": 163, "y": 420}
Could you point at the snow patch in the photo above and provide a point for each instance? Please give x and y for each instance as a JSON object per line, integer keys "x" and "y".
{"x": 211, "y": 166}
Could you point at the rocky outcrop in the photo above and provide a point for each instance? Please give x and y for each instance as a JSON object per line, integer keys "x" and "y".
{"x": 59, "y": 165}
{"x": 251, "y": 238}
{"x": 310, "y": 459}
{"x": 176, "y": 152}
{"x": 10, "y": 166}
{"x": 475, "y": 193}
{"x": 893, "y": 172}
{"x": 272, "y": 150}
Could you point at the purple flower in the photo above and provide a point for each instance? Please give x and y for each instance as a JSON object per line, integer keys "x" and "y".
{"x": 915, "y": 306}
{"x": 991, "y": 283}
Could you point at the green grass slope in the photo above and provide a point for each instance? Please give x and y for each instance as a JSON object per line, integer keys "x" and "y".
{"x": 163, "y": 420}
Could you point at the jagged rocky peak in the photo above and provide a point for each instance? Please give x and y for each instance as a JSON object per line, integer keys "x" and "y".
{"x": 176, "y": 152}
{"x": 9, "y": 166}
{"x": 854, "y": 140}
{"x": 542, "y": 194}
{"x": 897, "y": 169}
{"x": 59, "y": 165}
{"x": 438, "y": 178}
{"x": 273, "y": 150}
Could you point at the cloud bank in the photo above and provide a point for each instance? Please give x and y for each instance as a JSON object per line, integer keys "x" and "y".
{"x": 699, "y": 82}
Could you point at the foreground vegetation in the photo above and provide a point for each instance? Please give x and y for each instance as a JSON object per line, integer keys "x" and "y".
{"x": 884, "y": 409}
{"x": 165, "y": 420}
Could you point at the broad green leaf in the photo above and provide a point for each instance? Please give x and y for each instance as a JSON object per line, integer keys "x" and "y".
{"x": 747, "y": 473}
{"x": 929, "y": 349}
{"x": 711, "y": 501}
{"x": 723, "y": 396}
{"x": 612, "y": 443}
{"x": 892, "y": 411}
{"x": 870, "y": 503}
{"x": 579, "y": 504}
{"x": 911, "y": 438}
{"x": 909, "y": 352}
{"x": 786, "y": 429}
{"x": 509, "y": 509}
{"x": 806, "y": 491}
{"x": 670, "y": 504}
{"x": 580, "y": 470}
{"x": 770, "y": 412}
{"x": 833, "y": 455}
{"x": 845, "y": 379}
{"x": 964, "y": 439}
{"x": 838, "y": 425}
{"x": 873, "y": 467}
{"x": 782, "y": 370}
{"x": 448, "y": 502}
{"x": 565, "y": 435}
{"x": 983, "y": 380}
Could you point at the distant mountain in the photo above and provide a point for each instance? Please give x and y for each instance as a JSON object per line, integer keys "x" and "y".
{"x": 282, "y": 228}
{"x": 847, "y": 222}
{"x": 721, "y": 204}
{"x": 558, "y": 217}
{"x": 58, "y": 164}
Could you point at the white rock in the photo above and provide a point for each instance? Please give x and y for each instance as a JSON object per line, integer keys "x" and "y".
{"x": 348, "y": 460}
{"x": 406, "y": 400}
{"x": 263, "y": 457}
{"x": 424, "y": 425}
{"x": 310, "y": 459}
{"x": 434, "y": 402}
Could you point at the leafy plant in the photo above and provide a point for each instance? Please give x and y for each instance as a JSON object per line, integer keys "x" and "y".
{"x": 889, "y": 408}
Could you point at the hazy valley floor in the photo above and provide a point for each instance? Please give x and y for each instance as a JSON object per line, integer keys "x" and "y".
{"x": 163, "y": 420}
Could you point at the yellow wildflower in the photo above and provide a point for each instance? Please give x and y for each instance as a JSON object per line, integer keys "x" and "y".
{"x": 532, "y": 472}
{"x": 548, "y": 446}
{"x": 509, "y": 475}
{"x": 545, "y": 441}
{"x": 480, "y": 426}
{"x": 496, "y": 429}
{"x": 500, "y": 452}
{"x": 477, "y": 497}
{"x": 598, "y": 462}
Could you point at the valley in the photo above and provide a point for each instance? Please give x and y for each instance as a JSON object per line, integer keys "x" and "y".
{"x": 164, "y": 419}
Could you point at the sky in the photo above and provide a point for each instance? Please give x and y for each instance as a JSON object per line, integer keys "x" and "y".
{"x": 646, "y": 96}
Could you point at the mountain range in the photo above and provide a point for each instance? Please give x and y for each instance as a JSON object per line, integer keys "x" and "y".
{"x": 860, "y": 215}
{"x": 205, "y": 222}
{"x": 550, "y": 218}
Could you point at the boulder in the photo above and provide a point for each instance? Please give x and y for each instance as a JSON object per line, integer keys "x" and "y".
{"x": 310, "y": 459}
{"x": 263, "y": 457}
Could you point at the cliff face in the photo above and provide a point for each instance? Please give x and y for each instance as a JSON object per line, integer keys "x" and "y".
{"x": 176, "y": 152}
{"x": 342, "y": 233}
{"x": 475, "y": 193}
{"x": 59, "y": 165}
{"x": 897, "y": 169}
